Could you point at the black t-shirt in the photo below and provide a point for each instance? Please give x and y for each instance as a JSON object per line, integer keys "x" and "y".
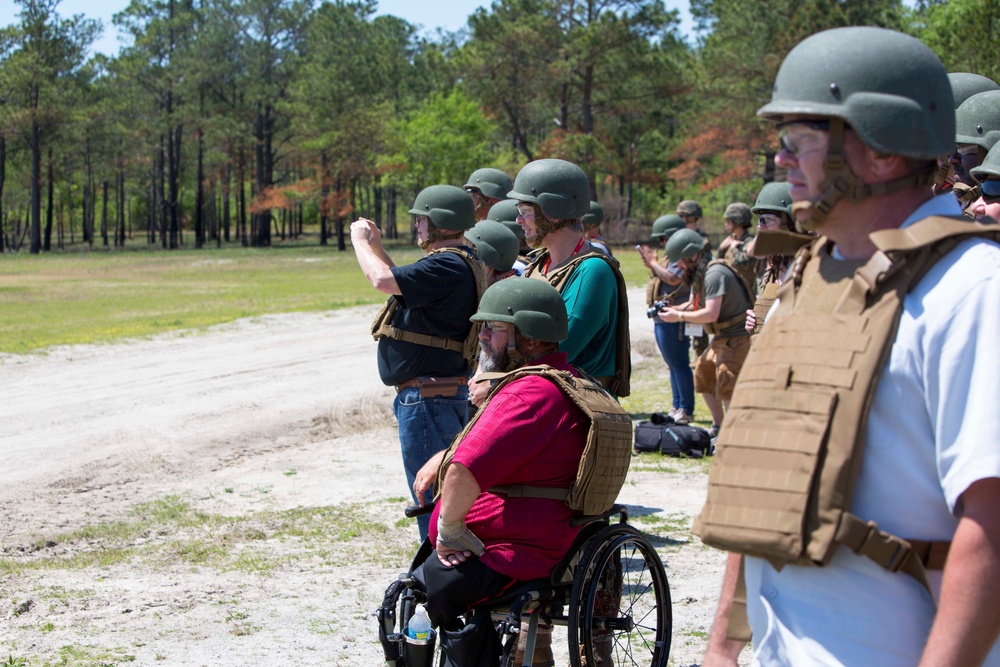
{"x": 438, "y": 298}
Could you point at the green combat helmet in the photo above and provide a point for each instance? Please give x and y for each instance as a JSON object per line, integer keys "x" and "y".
{"x": 446, "y": 206}
{"x": 989, "y": 167}
{"x": 776, "y": 198}
{"x": 491, "y": 182}
{"x": 533, "y": 306}
{"x": 505, "y": 212}
{"x": 684, "y": 244}
{"x": 594, "y": 216}
{"x": 495, "y": 244}
{"x": 888, "y": 87}
{"x": 559, "y": 188}
{"x": 666, "y": 225}
{"x": 966, "y": 84}
{"x": 977, "y": 121}
{"x": 738, "y": 213}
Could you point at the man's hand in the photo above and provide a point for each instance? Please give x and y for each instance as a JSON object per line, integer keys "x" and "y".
{"x": 456, "y": 543}
{"x": 426, "y": 476}
{"x": 726, "y": 242}
{"x": 648, "y": 256}
{"x": 751, "y": 324}
{"x": 364, "y": 230}
{"x": 478, "y": 390}
{"x": 669, "y": 315}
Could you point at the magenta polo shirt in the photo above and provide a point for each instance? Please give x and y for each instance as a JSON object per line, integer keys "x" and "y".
{"x": 530, "y": 433}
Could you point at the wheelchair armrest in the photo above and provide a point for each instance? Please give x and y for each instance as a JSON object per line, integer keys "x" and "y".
{"x": 584, "y": 519}
{"x": 416, "y": 510}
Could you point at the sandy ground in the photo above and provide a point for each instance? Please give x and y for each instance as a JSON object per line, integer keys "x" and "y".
{"x": 234, "y": 497}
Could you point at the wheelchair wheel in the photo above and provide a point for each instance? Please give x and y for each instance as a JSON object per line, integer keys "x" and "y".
{"x": 619, "y": 608}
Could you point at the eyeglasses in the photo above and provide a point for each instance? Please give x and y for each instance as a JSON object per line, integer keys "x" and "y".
{"x": 494, "y": 326}
{"x": 473, "y": 191}
{"x": 768, "y": 221}
{"x": 990, "y": 189}
{"x": 799, "y": 143}
{"x": 525, "y": 210}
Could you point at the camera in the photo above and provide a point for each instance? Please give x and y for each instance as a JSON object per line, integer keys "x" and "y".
{"x": 652, "y": 311}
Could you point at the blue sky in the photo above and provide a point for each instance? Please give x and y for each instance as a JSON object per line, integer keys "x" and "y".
{"x": 430, "y": 14}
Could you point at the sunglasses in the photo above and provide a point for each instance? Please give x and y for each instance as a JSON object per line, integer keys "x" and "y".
{"x": 524, "y": 210}
{"x": 990, "y": 189}
{"x": 797, "y": 144}
{"x": 494, "y": 326}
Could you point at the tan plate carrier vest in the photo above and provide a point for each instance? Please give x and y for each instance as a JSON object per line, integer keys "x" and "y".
{"x": 775, "y": 242}
{"x": 789, "y": 451}
{"x": 619, "y": 383}
{"x": 606, "y": 455}
{"x": 468, "y": 348}
{"x": 653, "y": 286}
{"x": 764, "y": 302}
{"x": 715, "y": 327}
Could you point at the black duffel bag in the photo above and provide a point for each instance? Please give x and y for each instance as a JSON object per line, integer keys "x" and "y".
{"x": 661, "y": 434}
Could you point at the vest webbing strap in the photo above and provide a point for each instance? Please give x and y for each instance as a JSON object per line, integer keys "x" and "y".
{"x": 893, "y": 553}
{"x": 425, "y": 340}
{"x": 526, "y": 491}
{"x": 382, "y": 326}
{"x": 619, "y": 383}
{"x": 762, "y": 307}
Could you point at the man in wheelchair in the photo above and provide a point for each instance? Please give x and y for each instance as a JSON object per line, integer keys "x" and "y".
{"x": 501, "y": 516}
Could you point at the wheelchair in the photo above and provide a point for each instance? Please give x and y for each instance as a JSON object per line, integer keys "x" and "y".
{"x": 610, "y": 592}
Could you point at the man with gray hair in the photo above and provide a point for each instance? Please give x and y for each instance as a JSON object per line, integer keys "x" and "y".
{"x": 857, "y": 474}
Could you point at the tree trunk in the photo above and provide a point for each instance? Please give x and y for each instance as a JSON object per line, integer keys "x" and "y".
{"x": 36, "y": 187}
{"x": 263, "y": 130}
{"x": 47, "y": 240}
{"x": 324, "y": 194}
{"x": 104, "y": 212}
{"x": 339, "y": 219}
{"x": 199, "y": 202}
{"x": 3, "y": 178}
{"x": 226, "y": 190}
{"x": 174, "y": 184}
{"x": 121, "y": 209}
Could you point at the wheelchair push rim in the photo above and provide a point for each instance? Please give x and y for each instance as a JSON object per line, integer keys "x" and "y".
{"x": 621, "y": 603}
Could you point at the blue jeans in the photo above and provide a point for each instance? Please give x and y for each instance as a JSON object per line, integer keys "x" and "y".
{"x": 426, "y": 426}
{"x": 674, "y": 347}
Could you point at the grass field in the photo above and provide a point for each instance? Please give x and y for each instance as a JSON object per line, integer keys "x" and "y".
{"x": 101, "y": 297}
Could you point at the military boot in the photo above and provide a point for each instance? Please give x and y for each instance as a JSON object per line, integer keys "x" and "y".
{"x": 542, "y": 657}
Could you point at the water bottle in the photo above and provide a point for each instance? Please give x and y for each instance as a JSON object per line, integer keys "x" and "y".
{"x": 419, "y": 629}
{"x": 418, "y": 650}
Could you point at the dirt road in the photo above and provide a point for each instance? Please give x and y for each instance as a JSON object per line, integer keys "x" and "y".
{"x": 233, "y": 497}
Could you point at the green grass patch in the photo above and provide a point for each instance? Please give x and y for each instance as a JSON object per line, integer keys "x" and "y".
{"x": 88, "y": 656}
{"x": 104, "y": 297}
{"x": 170, "y": 531}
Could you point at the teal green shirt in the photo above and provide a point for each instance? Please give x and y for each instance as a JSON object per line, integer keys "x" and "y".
{"x": 591, "y": 297}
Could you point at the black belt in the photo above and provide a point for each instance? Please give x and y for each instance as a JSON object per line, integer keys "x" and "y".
{"x": 435, "y": 386}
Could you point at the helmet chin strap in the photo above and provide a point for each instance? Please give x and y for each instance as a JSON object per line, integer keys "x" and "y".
{"x": 545, "y": 226}
{"x": 515, "y": 357}
{"x": 841, "y": 182}
{"x": 434, "y": 234}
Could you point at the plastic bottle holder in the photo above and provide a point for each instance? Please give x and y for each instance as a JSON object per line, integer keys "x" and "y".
{"x": 418, "y": 652}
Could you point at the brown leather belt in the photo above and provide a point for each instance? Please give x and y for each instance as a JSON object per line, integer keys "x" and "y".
{"x": 434, "y": 386}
